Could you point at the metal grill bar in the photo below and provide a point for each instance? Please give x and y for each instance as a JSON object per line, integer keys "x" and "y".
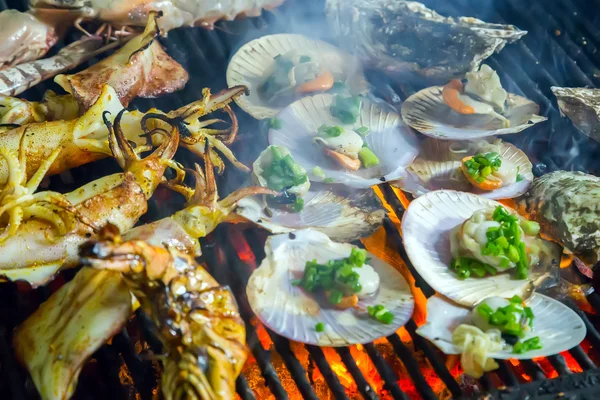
{"x": 330, "y": 377}
{"x": 363, "y": 386}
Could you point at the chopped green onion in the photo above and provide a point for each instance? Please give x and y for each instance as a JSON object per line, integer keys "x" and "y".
{"x": 358, "y": 257}
{"x": 276, "y": 123}
{"x": 330, "y": 131}
{"x": 367, "y": 157}
{"x": 346, "y": 109}
{"x": 530, "y": 344}
{"x": 513, "y": 254}
{"x": 328, "y": 180}
{"x": 362, "y": 131}
{"x": 296, "y": 282}
{"x": 516, "y": 300}
{"x": 486, "y": 171}
{"x": 484, "y": 310}
{"x": 381, "y": 314}
{"x": 530, "y": 228}
{"x": 298, "y": 204}
{"x": 319, "y": 173}
{"x": 335, "y": 296}
{"x": 320, "y": 327}
{"x": 480, "y": 166}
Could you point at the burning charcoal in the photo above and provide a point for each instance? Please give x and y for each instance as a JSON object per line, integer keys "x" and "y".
{"x": 406, "y": 36}
{"x": 567, "y": 206}
{"x": 582, "y": 106}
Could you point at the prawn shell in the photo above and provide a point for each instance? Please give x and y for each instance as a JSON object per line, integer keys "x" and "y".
{"x": 292, "y": 313}
{"x": 438, "y": 167}
{"x": 427, "y": 112}
{"x": 427, "y": 226}
{"x": 558, "y": 327}
{"x": 389, "y": 139}
{"x": 342, "y": 218}
{"x": 250, "y": 65}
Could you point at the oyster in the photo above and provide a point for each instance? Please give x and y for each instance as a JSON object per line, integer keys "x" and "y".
{"x": 294, "y": 313}
{"x": 438, "y": 166}
{"x": 390, "y": 35}
{"x": 567, "y": 206}
{"x": 582, "y": 106}
{"x": 256, "y": 61}
{"x": 391, "y": 142}
{"x": 429, "y": 227}
{"x": 343, "y": 215}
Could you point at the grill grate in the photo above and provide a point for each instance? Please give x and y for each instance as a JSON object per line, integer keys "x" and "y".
{"x": 125, "y": 369}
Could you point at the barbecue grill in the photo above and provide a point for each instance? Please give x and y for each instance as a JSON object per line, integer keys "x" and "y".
{"x": 561, "y": 49}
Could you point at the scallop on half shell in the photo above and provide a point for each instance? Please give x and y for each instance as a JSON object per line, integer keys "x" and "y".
{"x": 427, "y": 225}
{"x": 253, "y": 62}
{"x": 291, "y": 312}
{"x": 558, "y": 327}
{"x": 427, "y": 112}
{"x": 389, "y": 139}
{"x": 343, "y": 215}
{"x": 438, "y": 167}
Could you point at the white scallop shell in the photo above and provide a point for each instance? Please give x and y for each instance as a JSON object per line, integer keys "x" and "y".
{"x": 438, "y": 167}
{"x": 426, "y": 227}
{"x": 343, "y": 218}
{"x": 251, "y": 63}
{"x": 558, "y": 327}
{"x": 290, "y": 312}
{"x": 391, "y": 141}
{"x": 427, "y": 112}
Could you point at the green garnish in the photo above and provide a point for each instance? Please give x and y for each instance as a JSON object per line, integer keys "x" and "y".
{"x": 367, "y": 157}
{"x": 305, "y": 59}
{"x": 530, "y": 344}
{"x": 519, "y": 177}
{"x": 531, "y": 228}
{"x": 464, "y": 267}
{"x": 276, "y": 123}
{"x": 283, "y": 172}
{"x": 319, "y": 173}
{"x": 320, "y": 327}
{"x": 278, "y": 78}
{"x": 331, "y": 131}
{"x": 328, "y": 180}
{"x": 298, "y": 204}
{"x": 509, "y": 319}
{"x": 362, "y": 131}
{"x": 346, "y": 109}
{"x": 480, "y": 166}
{"x": 381, "y": 314}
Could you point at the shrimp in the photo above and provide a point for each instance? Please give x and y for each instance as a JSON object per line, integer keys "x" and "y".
{"x": 76, "y": 320}
{"x": 30, "y": 253}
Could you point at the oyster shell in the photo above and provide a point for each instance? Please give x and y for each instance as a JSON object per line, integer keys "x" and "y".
{"x": 558, "y": 327}
{"x": 342, "y": 215}
{"x": 567, "y": 206}
{"x": 438, "y": 167}
{"x": 427, "y": 112}
{"x": 292, "y": 313}
{"x": 582, "y": 106}
{"x": 427, "y": 226}
{"x": 251, "y": 64}
{"x": 390, "y": 34}
{"x": 389, "y": 139}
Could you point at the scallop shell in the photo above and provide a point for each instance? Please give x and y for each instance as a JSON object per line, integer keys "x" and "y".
{"x": 250, "y": 64}
{"x": 438, "y": 167}
{"x": 343, "y": 217}
{"x": 427, "y": 112}
{"x": 391, "y": 141}
{"x": 426, "y": 227}
{"x": 289, "y": 311}
{"x": 558, "y": 327}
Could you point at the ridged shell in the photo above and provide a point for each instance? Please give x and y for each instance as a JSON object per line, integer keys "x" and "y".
{"x": 426, "y": 227}
{"x": 343, "y": 217}
{"x": 558, "y": 327}
{"x": 438, "y": 167}
{"x": 249, "y": 66}
{"x": 391, "y": 141}
{"x": 292, "y": 313}
{"x": 427, "y": 112}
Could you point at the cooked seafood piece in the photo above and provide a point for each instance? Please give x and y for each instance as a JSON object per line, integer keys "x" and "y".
{"x": 389, "y": 35}
{"x": 313, "y": 290}
{"x": 347, "y": 140}
{"x": 566, "y": 204}
{"x": 450, "y": 165}
{"x": 478, "y": 109}
{"x": 467, "y": 247}
{"x": 501, "y": 328}
{"x": 582, "y": 106}
{"x": 22, "y": 112}
{"x": 275, "y": 168}
{"x": 140, "y": 68}
{"x": 342, "y": 214}
{"x": 279, "y": 69}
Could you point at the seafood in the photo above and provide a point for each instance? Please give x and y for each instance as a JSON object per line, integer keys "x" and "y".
{"x": 558, "y": 327}
{"x": 15, "y": 111}
{"x": 479, "y": 109}
{"x": 32, "y": 254}
{"x": 281, "y": 68}
{"x": 443, "y": 229}
{"x": 294, "y": 311}
{"x": 390, "y": 145}
{"x": 582, "y": 106}
{"x": 107, "y": 303}
{"x": 567, "y": 206}
{"x": 140, "y": 68}
{"x": 389, "y": 35}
